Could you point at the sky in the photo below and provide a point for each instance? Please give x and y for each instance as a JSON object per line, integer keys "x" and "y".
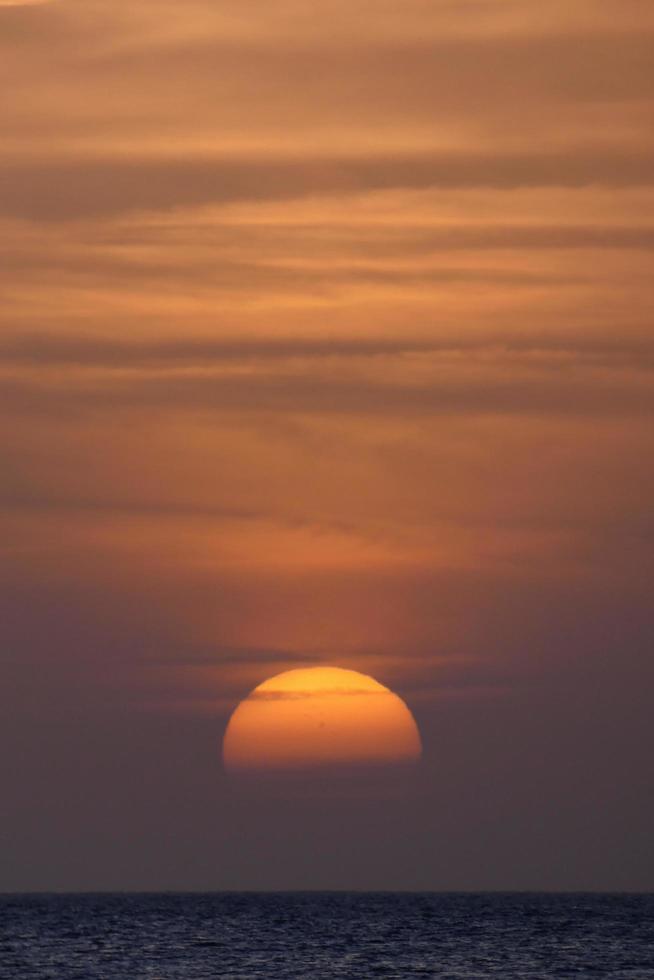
{"x": 325, "y": 338}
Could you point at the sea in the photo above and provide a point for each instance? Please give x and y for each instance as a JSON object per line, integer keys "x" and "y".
{"x": 314, "y": 935}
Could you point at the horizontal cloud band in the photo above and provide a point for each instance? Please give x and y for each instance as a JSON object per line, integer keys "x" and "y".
{"x": 77, "y": 188}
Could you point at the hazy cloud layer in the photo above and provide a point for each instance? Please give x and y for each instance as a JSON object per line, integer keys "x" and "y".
{"x": 326, "y": 337}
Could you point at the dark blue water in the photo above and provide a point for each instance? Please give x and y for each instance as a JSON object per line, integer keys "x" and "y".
{"x": 330, "y": 935}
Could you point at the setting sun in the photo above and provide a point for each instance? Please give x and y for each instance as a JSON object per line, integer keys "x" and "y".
{"x": 320, "y": 716}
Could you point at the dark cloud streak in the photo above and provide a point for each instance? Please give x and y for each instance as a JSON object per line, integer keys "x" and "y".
{"x": 75, "y": 189}
{"x": 49, "y": 349}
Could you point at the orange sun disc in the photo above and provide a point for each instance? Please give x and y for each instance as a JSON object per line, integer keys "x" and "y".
{"x": 319, "y": 716}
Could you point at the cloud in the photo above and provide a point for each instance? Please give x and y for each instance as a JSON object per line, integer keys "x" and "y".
{"x": 72, "y": 190}
{"x": 50, "y": 349}
{"x": 325, "y": 337}
{"x": 487, "y": 391}
{"x": 301, "y": 695}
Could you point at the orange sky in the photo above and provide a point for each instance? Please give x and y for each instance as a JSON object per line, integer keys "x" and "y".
{"x": 325, "y": 337}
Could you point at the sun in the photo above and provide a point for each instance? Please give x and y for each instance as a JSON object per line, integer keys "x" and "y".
{"x": 318, "y": 717}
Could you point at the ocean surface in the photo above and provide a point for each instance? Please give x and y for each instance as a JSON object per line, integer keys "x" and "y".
{"x": 326, "y": 935}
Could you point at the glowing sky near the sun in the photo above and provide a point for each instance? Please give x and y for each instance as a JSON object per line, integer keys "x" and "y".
{"x": 326, "y": 337}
